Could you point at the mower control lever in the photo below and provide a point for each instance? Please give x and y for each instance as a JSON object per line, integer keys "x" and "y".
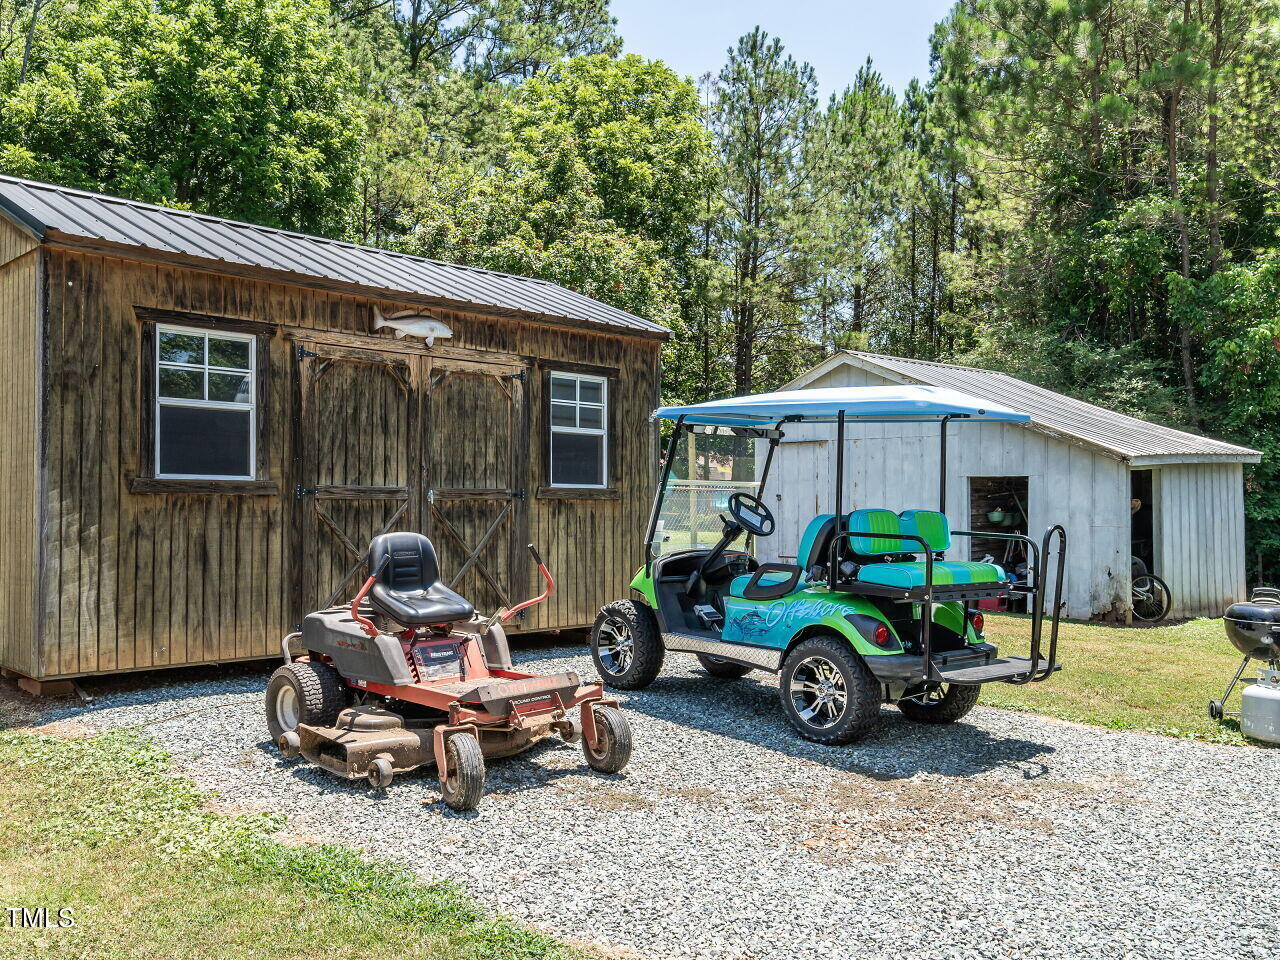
{"x": 365, "y": 624}
{"x": 505, "y": 615}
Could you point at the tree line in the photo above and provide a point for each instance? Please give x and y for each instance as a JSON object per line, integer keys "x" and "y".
{"x": 1081, "y": 192}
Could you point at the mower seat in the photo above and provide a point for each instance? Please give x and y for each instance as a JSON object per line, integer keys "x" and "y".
{"x": 408, "y": 590}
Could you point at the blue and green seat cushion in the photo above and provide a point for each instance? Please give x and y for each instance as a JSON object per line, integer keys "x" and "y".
{"x": 930, "y": 526}
{"x": 908, "y": 575}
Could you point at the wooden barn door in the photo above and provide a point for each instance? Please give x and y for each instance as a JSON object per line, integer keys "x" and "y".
{"x": 476, "y": 453}
{"x": 358, "y": 446}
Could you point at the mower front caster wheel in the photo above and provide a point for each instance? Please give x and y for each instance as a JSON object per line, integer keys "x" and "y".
{"x": 612, "y": 750}
{"x": 380, "y": 773}
{"x": 465, "y": 783}
{"x": 1215, "y": 710}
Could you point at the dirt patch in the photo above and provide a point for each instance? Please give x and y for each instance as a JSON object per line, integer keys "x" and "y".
{"x": 591, "y": 793}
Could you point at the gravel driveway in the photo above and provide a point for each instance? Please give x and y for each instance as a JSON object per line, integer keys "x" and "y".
{"x": 1006, "y": 835}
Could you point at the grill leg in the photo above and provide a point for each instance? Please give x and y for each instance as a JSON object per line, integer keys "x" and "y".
{"x": 1222, "y": 704}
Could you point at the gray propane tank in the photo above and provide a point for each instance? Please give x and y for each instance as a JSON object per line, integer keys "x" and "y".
{"x": 1260, "y": 707}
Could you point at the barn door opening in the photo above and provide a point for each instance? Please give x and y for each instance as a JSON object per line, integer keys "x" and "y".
{"x": 476, "y": 451}
{"x": 356, "y": 439}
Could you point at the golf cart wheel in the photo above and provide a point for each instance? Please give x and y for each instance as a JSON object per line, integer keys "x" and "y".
{"x": 828, "y": 694}
{"x": 626, "y": 645}
{"x": 380, "y": 773}
{"x": 306, "y": 691}
{"x": 724, "y": 669}
{"x": 613, "y": 741}
{"x": 943, "y": 703}
{"x": 465, "y": 786}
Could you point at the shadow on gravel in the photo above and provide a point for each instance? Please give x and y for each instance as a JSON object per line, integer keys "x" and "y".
{"x": 747, "y": 710}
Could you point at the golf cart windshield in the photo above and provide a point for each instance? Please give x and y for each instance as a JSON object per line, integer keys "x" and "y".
{"x": 705, "y": 470}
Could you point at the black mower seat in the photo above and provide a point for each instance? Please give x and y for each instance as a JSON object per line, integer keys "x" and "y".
{"x": 408, "y": 589}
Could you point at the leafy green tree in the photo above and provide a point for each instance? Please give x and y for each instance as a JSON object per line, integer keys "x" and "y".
{"x": 763, "y": 112}
{"x": 243, "y": 108}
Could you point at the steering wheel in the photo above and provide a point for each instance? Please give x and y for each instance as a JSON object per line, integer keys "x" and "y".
{"x": 750, "y": 513}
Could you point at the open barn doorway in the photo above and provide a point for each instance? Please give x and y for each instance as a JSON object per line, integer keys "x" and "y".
{"x": 999, "y": 505}
{"x": 1142, "y": 516}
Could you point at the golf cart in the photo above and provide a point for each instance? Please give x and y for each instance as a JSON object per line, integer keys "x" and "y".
{"x": 871, "y": 611}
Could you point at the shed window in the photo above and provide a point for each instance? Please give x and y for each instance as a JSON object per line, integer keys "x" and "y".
{"x": 579, "y": 430}
{"x": 205, "y": 409}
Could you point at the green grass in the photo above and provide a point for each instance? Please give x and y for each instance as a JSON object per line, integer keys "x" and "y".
{"x": 1158, "y": 679}
{"x": 149, "y": 870}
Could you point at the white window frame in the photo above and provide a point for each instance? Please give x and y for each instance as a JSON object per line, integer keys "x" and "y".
{"x": 206, "y": 368}
{"x": 602, "y": 431}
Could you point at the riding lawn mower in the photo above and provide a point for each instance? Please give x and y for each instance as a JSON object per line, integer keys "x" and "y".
{"x": 408, "y": 675}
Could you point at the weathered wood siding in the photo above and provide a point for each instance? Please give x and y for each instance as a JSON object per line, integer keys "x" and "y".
{"x": 1199, "y": 532}
{"x": 20, "y": 305}
{"x": 895, "y": 466}
{"x": 136, "y": 580}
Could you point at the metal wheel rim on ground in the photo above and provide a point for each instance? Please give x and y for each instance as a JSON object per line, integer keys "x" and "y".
{"x": 287, "y": 707}
{"x": 817, "y": 691}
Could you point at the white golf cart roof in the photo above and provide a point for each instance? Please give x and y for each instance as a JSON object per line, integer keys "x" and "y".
{"x": 889, "y": 404}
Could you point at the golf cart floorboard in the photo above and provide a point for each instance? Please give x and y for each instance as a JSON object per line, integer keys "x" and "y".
{"x": 993, "y": 671}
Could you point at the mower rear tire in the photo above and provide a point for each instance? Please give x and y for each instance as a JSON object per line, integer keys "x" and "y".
{"x": 304, "y": 691}
{"x": 950, "y": 707}
{"x": 626, "y": 645}
{"x": 612, "y": 751}
{"x": 465, "y": 786}
{"x": 827, "y": 692}
{"x": 724, "y": 669}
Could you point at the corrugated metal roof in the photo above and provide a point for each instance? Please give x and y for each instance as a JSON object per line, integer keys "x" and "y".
{"x": 51, "y": 211}
{"x": 1116, "y": 433}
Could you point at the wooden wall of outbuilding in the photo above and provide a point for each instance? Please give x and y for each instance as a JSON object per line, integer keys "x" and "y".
{"x": 135, "y": 580}
{"x": 20, "y": 299}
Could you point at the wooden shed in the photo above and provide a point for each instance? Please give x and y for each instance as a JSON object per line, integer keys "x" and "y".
{"x": 206, "y": 421}
{"x": 1123, "y": 487}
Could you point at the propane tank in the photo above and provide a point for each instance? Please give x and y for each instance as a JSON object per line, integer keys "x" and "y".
{"x": 1260, "y": 707}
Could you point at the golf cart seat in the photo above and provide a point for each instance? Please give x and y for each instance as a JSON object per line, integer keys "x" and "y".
{"x": 898, "y": 568}
{"x": 408, "y": 589}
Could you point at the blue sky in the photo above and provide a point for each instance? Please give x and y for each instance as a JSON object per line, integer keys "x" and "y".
{"x": 836, "y": 37}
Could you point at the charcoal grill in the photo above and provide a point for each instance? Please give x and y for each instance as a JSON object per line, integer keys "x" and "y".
{"x": 1253, "y": 627}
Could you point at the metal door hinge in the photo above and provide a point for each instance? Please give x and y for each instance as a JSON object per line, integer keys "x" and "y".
{"x": 518, "y": 494}
{"x": 303, "y": 352}
{"x": 300, "y": 491}
{"x": 517, "y": 376}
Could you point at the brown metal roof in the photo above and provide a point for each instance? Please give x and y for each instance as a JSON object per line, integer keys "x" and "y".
{"x": 54, "y": 213}
{"x": 1123, "y": 436}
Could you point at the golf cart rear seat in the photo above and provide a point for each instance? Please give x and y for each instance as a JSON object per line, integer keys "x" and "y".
{"x": 885, "y": 559}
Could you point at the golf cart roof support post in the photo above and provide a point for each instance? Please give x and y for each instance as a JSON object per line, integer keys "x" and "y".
{"x": 942, "y": 467}
{"x": 662, "y": 489}
{"x": 768, "y": 460}
{"x": 832, "y": 571}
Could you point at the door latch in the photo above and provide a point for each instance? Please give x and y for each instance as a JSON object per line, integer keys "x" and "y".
{"x": 431, "y": 496}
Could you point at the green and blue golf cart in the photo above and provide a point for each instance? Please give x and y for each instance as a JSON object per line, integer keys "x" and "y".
{"x": 870, "y": 612}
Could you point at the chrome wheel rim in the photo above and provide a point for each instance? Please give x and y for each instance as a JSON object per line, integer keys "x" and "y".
{"x": 818, "y": 692}
{"x": 615, "y": 647}
{"x": 287, "y": 708}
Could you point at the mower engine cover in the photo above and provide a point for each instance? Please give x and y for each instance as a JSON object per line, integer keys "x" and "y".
{"x": 355, "y": 654}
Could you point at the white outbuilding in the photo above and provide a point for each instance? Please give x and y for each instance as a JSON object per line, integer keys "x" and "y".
{"x": 1122, "y": 487}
